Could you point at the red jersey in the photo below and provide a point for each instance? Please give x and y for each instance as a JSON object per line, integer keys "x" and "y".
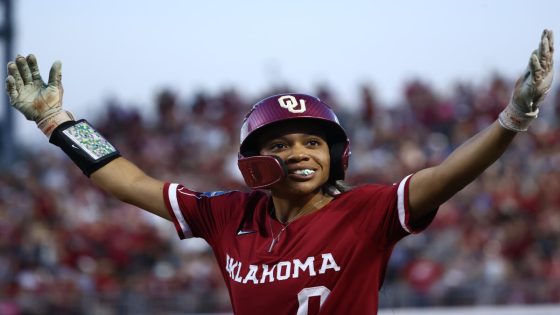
{"x": 331, "y": 261}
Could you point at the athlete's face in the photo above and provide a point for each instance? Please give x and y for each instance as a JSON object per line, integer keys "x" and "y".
{"x": 304, "y": 149}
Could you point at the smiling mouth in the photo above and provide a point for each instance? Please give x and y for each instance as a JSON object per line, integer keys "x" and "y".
{"x": 303, "y": 172}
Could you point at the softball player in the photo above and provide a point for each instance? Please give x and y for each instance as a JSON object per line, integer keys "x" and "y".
{"x": 301, "y": 241}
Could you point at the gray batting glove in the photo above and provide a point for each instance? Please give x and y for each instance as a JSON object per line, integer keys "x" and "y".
{"x": 531, "y": 88}
{"x": 35, "y": 99}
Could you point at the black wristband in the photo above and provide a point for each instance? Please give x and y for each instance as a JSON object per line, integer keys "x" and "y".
{"x": 88, "y": 149}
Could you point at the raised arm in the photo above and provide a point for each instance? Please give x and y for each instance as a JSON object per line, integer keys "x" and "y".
{"x": 430, "y": 187}
{"x": 98, "y": 159}
{"x": 128, "y": 183}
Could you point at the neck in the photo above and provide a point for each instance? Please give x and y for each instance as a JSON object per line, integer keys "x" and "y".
{"x": 287, "y": 210}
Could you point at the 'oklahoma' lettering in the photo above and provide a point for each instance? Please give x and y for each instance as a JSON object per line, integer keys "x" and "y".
{"x": 280, "y": 271}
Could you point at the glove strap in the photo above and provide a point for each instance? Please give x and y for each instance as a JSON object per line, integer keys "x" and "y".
{"x": 49, "y": 123}
{"x": 88, "y": 149}
{"x": 513, "y": 119}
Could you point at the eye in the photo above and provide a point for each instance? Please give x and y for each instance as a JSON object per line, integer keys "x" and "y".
{"x": 276, "y": 146}
{"x": 314, "y": 142}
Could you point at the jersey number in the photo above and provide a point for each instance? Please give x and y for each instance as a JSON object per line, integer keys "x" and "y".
{"x": 304, "y": 295}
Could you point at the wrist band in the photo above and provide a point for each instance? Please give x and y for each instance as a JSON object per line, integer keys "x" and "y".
{"x": 49, "y": 123}
{"x": 516, "y": 120}
{"x": 84, "y": 145}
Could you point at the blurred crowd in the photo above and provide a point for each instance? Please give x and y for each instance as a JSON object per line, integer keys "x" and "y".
{"x": 68, "y": 248}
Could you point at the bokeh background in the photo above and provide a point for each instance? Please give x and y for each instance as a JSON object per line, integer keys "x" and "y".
{"x": 168, "y": 82}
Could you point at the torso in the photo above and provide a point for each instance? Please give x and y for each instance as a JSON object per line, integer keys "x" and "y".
{"x": 331, "y": 261}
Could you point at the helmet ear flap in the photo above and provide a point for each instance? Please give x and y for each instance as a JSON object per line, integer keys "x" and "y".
{"x": 262, "y": 171}
{"x": 340, "y": 153}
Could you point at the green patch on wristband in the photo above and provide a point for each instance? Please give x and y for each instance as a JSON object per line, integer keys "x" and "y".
{"x": 89, "y": 140}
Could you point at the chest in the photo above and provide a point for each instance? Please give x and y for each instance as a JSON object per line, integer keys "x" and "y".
{"x": 290, "y": 270}
{"x": 308, "y": 251}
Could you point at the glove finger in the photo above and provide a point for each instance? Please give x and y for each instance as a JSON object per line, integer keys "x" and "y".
{"x": 35, "y": 74}
{"x": 11, "y": 88}
{"x": 545, "y": 56}
{"x": 550, "y": 36}
{"x": 55, "y": 75}
{"x": 535, "y": 66}
{"x": 14, "y": 72}
{"x": 24, "y": 70}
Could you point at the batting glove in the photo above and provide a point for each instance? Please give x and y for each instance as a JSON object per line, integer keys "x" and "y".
{"x": 36, "y": 100}
{"x": 531, "y": 87}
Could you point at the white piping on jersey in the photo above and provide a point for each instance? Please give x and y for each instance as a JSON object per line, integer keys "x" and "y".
{"x": 401, "y": 203}
{"x": 180, "y": 190}
{"x": 172, "y": 194}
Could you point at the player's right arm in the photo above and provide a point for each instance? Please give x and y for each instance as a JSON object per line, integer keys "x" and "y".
{"x": 98, "y": 159}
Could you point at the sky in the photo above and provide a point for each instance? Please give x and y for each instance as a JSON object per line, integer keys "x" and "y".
{"x": 129, "y": 50}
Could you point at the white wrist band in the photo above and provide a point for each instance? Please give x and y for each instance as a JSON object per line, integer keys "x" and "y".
{"x": 513, "y": 119}
{"x": 49, "y": 123}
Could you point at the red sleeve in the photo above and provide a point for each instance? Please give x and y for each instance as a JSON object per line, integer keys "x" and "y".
{"x": 385, "y": 212}
{"x": 172, "y": 204}
{"x": 201, "y": 214}
{"x": 404, "y": 212}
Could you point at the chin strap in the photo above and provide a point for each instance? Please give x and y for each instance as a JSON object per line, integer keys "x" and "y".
{"x": 262, "y": 171}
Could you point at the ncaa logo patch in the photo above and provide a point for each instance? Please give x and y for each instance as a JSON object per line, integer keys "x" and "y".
{"x": 214, "y": 193}
{"x": 290, "y": 103}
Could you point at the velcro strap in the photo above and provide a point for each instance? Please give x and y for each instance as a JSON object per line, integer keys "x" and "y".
{"x": 516, "y": 120}
{"x": 49, "y": 123}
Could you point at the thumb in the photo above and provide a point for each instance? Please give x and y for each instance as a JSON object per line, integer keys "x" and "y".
{"x": 55, "y": 75}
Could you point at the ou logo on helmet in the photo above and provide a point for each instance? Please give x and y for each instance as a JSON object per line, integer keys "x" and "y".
{"x": 290, "y": 103}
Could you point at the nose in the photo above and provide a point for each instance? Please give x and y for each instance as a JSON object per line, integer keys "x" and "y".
{"x": 298, "y": 153}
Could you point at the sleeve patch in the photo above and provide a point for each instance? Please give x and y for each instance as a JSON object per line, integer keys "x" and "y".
{"x": 214, "y": 193}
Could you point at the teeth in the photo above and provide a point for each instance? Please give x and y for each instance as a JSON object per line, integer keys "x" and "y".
{"x": 304, "y": 172}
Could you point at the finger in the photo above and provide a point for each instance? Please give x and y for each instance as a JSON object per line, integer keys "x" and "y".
{"x": 24, "y": 70}
{"x": 536, "y": 68}
{"x": 550, "y": 36}
{"x": 14, "y": 72}
{"x": 545, "y": 56}
{"x": 11, "y": 87}
{"x": 55, "y": 75}
{"x": 35, "y": 74}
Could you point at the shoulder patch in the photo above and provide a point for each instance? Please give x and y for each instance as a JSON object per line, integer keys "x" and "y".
{"x": 214, "y": 193}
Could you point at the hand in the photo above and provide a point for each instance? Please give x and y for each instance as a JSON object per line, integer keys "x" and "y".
{"x": 36, "y": 100}
{"x": 531, "y": 87}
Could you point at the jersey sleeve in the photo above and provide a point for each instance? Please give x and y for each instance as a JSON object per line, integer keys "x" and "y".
{"x": 201, "y": 214}
{"x": 404, "y": 211}
{"x": 387, "y": 213}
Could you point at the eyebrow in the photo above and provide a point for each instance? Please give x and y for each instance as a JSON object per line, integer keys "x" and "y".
{"x": 285, "y": 138}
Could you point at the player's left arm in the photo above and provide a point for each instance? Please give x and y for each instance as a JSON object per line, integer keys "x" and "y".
{"x": 431, "y": 187}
